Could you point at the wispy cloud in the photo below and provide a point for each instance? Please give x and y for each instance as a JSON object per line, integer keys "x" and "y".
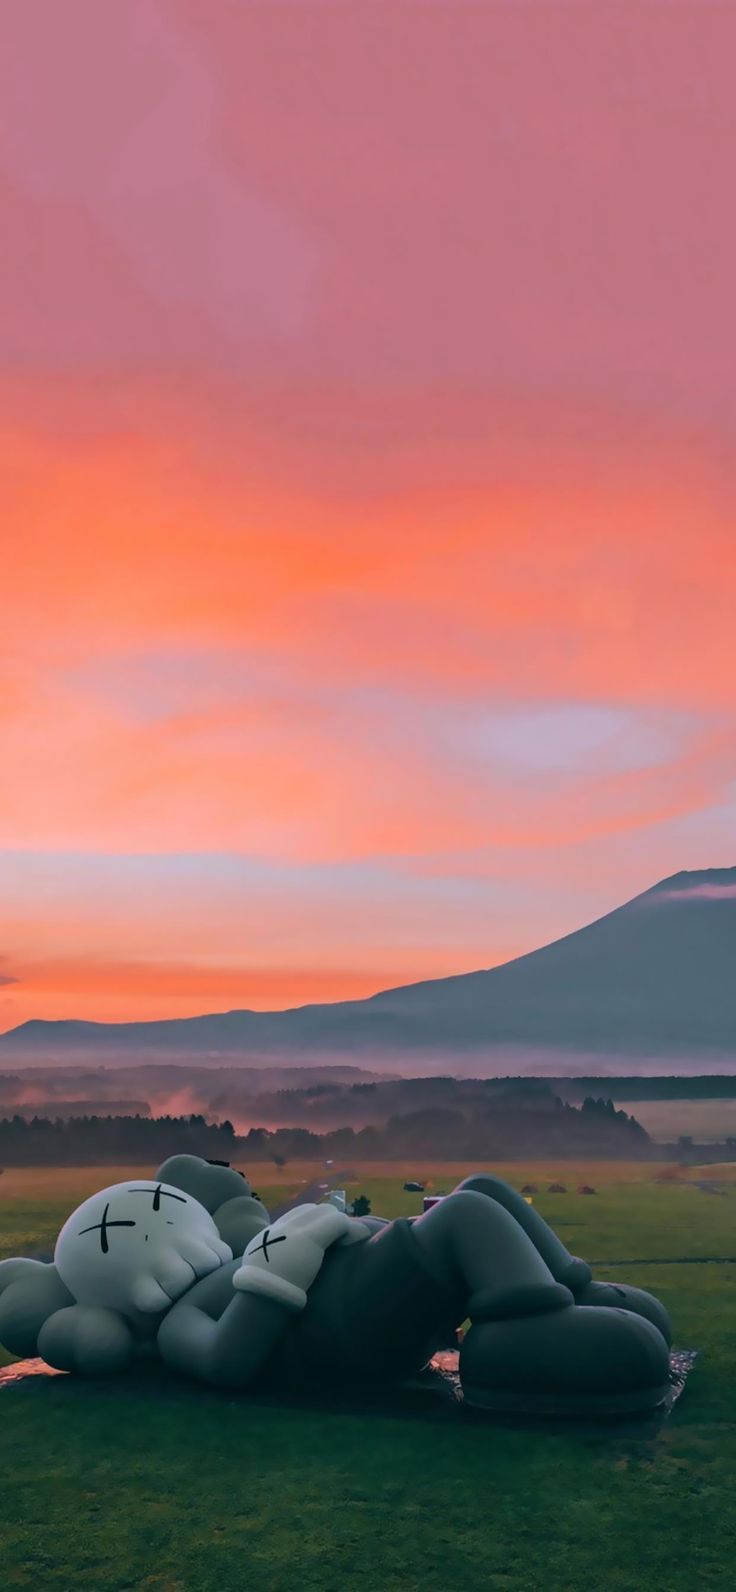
{"x": 700, "y": 892}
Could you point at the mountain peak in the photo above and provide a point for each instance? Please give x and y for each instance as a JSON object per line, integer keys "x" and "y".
{"x": 696, "y": 879}
{"x": 653, "y": 979}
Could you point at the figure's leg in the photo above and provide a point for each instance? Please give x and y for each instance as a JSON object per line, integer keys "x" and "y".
{"x": 529, "y": 1345}
{"x": 219, "y": 1335}
{"x": 566, "y": 1268}
{"x": 576, "y": 1362}
{"x": 478, "y": 1249}
{"x": 380, "y": 1309}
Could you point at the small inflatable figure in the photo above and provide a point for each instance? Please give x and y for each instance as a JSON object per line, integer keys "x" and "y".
{"x": 187, "y": 1267}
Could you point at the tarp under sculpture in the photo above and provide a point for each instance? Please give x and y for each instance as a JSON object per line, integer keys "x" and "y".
{"x": 187, "y": 1268}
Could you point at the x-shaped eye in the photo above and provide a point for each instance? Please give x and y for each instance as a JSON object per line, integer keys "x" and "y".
{"x": 103, "y": 1228}
{"x": 159, "y": 1193}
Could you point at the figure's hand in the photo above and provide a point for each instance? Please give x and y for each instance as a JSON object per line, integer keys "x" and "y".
{"x": 283, "y": 1261}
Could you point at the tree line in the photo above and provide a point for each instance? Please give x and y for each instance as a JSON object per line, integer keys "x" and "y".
{"x": 596, "y": 1128}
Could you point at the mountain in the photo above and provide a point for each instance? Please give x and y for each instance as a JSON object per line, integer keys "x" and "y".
{"x": 654, "y": 979}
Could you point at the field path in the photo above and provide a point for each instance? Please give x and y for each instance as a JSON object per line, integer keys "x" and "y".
{"x": 311, "y": 1194}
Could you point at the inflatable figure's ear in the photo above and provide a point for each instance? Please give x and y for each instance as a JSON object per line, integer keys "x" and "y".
{"x": 239, "y": 1220}
{"x": 225, "y": 1193}
{"x": 209, "y": 1182}
{"x": 30, "y": 1292}
{"x": 90, "y": 1341}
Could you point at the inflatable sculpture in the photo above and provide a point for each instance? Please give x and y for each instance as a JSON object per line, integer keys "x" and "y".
{"x": 188, "y": 1268}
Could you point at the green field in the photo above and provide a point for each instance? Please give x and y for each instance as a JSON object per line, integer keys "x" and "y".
{"x": 706, "y": 1121}
{"x": 160, "y": 1485}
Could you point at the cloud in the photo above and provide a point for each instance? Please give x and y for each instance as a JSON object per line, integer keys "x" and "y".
{"x": 90, "y": 977}
{"x": 566, "y": 737}
{"x": 169, "y": 226}
{"x": 580, "y": 590}
{"x": 185, "y": 192}
{"x": 700, "y": 892}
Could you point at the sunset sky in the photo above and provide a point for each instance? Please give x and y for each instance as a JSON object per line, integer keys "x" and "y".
{"x": 367, "y": 413}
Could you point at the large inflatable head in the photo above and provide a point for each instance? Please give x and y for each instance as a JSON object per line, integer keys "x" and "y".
{"x": 137, "y": 1246}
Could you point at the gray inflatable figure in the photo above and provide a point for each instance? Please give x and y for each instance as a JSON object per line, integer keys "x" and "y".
{"x": 188, "y": 1267}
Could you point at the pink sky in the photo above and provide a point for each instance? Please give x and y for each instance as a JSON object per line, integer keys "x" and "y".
{"x": 367, "y": 402}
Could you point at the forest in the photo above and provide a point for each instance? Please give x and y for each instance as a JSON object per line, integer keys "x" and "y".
{"x": 503, "y": 1130}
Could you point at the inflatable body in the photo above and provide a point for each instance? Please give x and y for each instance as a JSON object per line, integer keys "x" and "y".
{"x": 188, "y": 1268}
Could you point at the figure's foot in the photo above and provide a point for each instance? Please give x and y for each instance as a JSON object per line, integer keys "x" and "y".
{"x": 620, "y": 1296}
{"x": 575, "y": 1275}
{"x": 578, "y": 1361}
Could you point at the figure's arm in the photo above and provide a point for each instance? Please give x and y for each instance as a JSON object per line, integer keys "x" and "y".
{"x": 230, "y": 1346}
{"x": 230, "y": 1351}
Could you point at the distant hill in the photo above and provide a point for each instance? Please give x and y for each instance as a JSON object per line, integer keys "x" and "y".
{"x": 653, "y": 980}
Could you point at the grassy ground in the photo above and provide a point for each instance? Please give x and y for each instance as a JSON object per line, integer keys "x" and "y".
{"x": 165, "y": 1486}
{"x": 665, "y": 1120}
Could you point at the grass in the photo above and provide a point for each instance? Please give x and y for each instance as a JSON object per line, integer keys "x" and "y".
{"x": 665, "y": 1120}
{"x": 138, "y": 1485}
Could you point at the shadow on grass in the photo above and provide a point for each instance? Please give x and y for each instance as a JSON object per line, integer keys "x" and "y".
{"x": 435, "y": 1394}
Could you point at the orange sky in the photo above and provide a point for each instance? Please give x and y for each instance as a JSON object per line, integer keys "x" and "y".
{"x": 368, "y": 568}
